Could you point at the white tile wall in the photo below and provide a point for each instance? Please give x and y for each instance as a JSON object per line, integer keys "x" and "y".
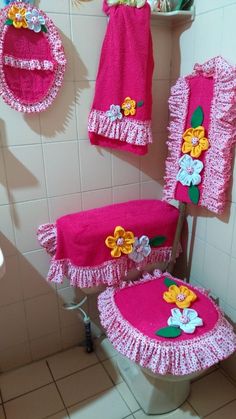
{"x": 25, "y": 172}
{"x": 48, "y": 168}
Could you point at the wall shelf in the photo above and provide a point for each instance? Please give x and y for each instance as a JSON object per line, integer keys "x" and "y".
{"x": 176, "y": 17}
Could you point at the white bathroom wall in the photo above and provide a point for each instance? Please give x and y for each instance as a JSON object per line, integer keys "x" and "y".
{"x": 212, "y": 246}
{"x": 48, "y": 168}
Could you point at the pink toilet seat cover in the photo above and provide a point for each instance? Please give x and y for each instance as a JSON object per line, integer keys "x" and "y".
{"x": 132, "y": 315}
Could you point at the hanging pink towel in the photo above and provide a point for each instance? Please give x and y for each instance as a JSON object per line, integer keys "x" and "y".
{"x": 77, "y": 241}
{"x": 121, "y": 111}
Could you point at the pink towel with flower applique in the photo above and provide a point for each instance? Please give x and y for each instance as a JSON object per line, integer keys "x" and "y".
{"x": 121, "y": 112}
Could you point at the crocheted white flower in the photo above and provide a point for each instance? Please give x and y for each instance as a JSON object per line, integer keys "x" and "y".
{"x": 141, "y": 249}
{"x": 189, "y": 172}
{"x": 35, "y": 20}
{"x": 114, "y": 113}
{"x": 187, "y": 320}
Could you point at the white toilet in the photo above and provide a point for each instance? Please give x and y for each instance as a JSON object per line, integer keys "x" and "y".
{"x": 158, "y": 369}
{"x": 155, "y": 393}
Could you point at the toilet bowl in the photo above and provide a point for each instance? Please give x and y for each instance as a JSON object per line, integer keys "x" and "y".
{"x": 155, "y": 393}
{"x": 159, "y": 368}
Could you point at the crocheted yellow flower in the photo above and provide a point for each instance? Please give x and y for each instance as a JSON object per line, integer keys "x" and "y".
{"x": 181, "y": 296}
{"x": 195, "y": 141}
{"x": 121, "y": 242}
{"x": 129, "y": 106}
{"x": 17, "y": 15}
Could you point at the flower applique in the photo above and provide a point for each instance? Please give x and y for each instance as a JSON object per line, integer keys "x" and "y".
{"x": 121, "y": 242}
{"x": 129, "y": 106}
{"x": 141, "y": 249}
{"x": 187, "y": 320}
{"x": 189, "y": 171}
{"x": 195, "y": 141}
{"x": 114, "y": 113}
{"x": 182, "y": 296}
{"x": 16, "y": 17}
{"x": 35, "y": 21}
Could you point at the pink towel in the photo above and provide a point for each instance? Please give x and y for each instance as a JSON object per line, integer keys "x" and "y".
{"x": 125, "y": 71}
{"x": 77, "y": 241}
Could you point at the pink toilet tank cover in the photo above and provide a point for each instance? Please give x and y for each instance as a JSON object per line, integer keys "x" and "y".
{"x": 133, "y": 314}
{"x": 77, "y": 241}
{"x": 125, "y": 72}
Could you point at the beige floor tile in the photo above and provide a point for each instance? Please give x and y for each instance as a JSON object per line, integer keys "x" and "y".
{"x": 24, "y": 379}
{"x": 211, "y": 392}
{"x": 59, "y": 415}
{"x": 226, "y": 412}
{"x": 68, "y": 362}
{"x": 110, "y": 366}
{"x": 128, "y": 397}
{"x": 2, "y": 416}
{"x": 38, "y": 404}
{"x": 84, "y": 384}
{"x": 107, "y": 405}
{"x": 104, "y": 349}
{"x": 183, "y": 412}
{"x": 206, "y": 372}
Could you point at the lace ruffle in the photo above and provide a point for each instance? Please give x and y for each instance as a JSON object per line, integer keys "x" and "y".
{"x": 109, "y": 272}
{"x": 217, "y": 169}
{"x": 129, "y": 130}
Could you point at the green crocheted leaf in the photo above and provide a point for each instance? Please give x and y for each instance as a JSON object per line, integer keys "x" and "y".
{"x": 43, "y": 28}
{"x": 168, "y": 282}
{"x": 140, "y": 103}
{"x": 194, "y": 194}
{"x": 197, "y": 117}
{"x": 169, "y": 332}
{"x": 157, "y": 241}
{"x": 9, "y": 22}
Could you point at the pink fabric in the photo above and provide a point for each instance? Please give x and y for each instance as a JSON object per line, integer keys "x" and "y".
{"x": 180, "y": 356}
{"x": 156, "y": 311}
{"x": 79, "y": 240}
{"x": 221, "y": 78}
{"x": 125, "y": 69}
{"x": 30, "y": 87}
{"x": 32, "y": 66}
{"x": 81, "y": 237}
{"x": 201, "y": 93}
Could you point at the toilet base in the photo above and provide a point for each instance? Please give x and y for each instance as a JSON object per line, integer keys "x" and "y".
{"x": 154, "y": 394}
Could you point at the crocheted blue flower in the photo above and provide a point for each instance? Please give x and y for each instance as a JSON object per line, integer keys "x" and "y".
{"x": 141, "y": 249}
{"x": 189, "y": 172}
{"x": 114, "y": 113}
{"x": 34, "y": 20}
{"x": 187, "y": 320}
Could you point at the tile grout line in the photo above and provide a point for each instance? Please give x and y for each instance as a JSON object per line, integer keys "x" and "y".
{"x": 91, "y": 397}
{"x": 28, "y": 392}
{"x": 75, "y": 372}
{"x": 219, "y": 408}
{"x": 229, "y": 378}
{"x": 205, "y": 375}
{"x": 47, "y": 363}
{"x": 193, "y": 408}
{"x": 116, "y": 387}
{"x": 3, "y": 406}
